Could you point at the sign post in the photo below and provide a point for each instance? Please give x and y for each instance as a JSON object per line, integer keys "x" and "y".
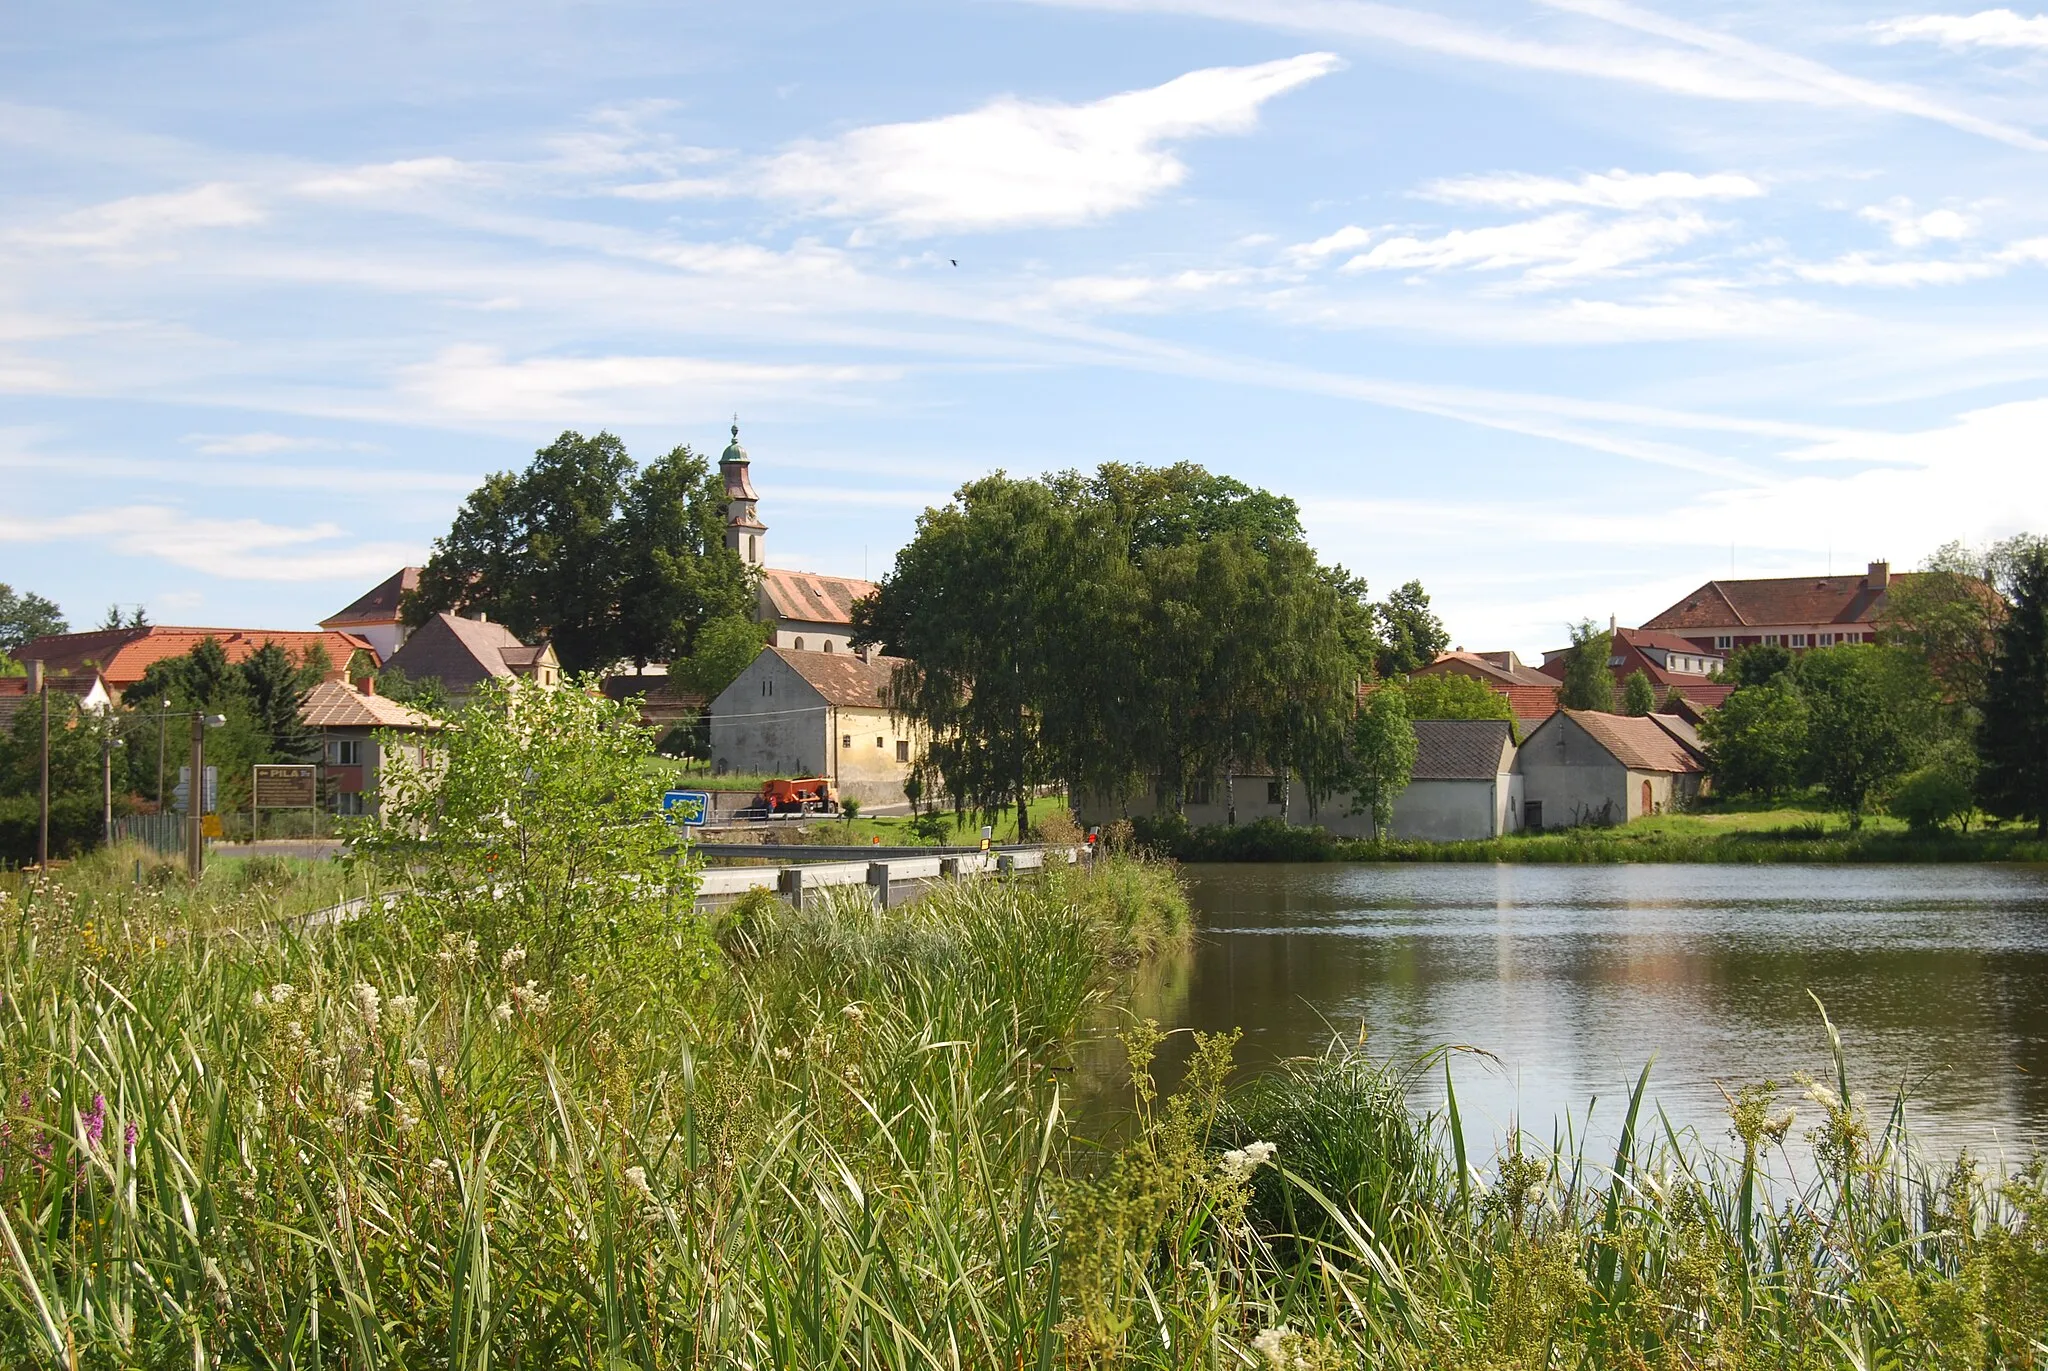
{"x": 691, "y": 808}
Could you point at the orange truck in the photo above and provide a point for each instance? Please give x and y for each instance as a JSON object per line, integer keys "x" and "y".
{"x": 803, "y": 795}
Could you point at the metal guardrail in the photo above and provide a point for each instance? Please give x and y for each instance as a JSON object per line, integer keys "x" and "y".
{"x": 721, "y": 885}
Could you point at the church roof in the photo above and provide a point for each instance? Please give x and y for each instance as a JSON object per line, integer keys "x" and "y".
{"x": 812, "y": 598}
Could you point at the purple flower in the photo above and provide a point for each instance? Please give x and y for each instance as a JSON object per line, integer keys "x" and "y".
{"x": 96, "y": 1121}
{"x": 128, "y": 1140}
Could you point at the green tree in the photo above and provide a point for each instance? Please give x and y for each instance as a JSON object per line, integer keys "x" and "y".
{"x": 1939, "y": 793}
{"x": 1412, "y": 635}
{"x": 1861, "y": 715}
{"x": 1638, "y": 696}
{"x": 724, "y": 648}
{"x": 677, "y": 575}
{"x": 428, "y": 693}
{"x": 274, "y": 688}
{"x": 75, "y": 799}
{"x": 1383, "y": 749}
{"x": 2012, "y": 738}
{"x": 539, "y": 552}
{"x": 1757, "y": 740}
{"x": 532, "y": 823}
{"x": 1449, "y": 695}
{"x": 1759, "y": 664}
{"x": 26, "y": 616}
{"x": 1588, "y": 683}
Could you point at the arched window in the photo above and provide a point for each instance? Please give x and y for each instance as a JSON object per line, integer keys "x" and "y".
{"x": 799, "y": 645}
{"x": 1649, "y": 803}
{"x": 828, "y": 644}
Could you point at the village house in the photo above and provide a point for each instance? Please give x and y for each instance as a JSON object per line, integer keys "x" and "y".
{"x": 1531, "y": 695}
{"x": 348, "y": 720}
{"x": 811, "y": 713}
{"x": 1796, "y": 612}
{"x": 88, "y": 687}
{"x": 122, "y": 655}
{"x": 462, "y": 653}
{"x": 1669, "y": 662}
{"x": 1583, "y": 767}
{"x": 374, "y": 615}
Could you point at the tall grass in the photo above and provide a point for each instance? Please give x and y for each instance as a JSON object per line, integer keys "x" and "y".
{"x": 359, "y": 1146}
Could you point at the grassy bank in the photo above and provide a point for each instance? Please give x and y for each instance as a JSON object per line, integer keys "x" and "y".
{"x": 843, "y": 1144}
{"x": 1730, "y": 834}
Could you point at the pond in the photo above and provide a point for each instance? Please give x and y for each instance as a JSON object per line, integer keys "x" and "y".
{"x": 1573, "y": 977}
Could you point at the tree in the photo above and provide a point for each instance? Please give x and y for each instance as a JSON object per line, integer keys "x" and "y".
{"x": 427, "y": 693}
{"x": 27, "y": 616}
{"x": 1639, "y": 697}
{"x": 725, "y": 647}
{"x": 1412, "y": 635}
{"x": 1949, "y": 611}
{"x": 75, "y": 800}
{"x": 1383, "y": 749}
{"x": 1859, "y": 738}
{"x": 1588, "y": 684}
{"x": 1448, "y": 695}
{"x": 1939, "y": 793}
{"x": 275, "y": 688}
{"x": 2012, "y": 738}
{"x": 1759, "y": 664}
{"x": 677, "y": 575}
{"x": 1756, "y": 740}
{"x": 539, "y": 551}
{"x": 115, "y": 619}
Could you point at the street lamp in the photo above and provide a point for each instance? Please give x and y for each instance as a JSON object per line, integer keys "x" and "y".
{"x": 108, "y": 742}
{"x": 195, "y": 795}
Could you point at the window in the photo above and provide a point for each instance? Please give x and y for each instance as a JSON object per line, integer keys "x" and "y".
{"x": 902, "y": 750}
{"x": 828, "y": 644}
{"x": 345, "y": 752}
{"x": 768, "y": 685}
{"x": 1276, "y": 792}
{"x": 1799, "y": 640}
{"x": 798, "y": 645}
{"x": 1198, "y": 793}
{"x": 349, "y": 802}
{"x": 753, "y": 547}
{"x": 1827, "y": 639}
{"x": 878, "y": 742}
{"x": 1770, "y": 640}
{"x": 846, "y": 740}
{"x": 1723, "y": 641}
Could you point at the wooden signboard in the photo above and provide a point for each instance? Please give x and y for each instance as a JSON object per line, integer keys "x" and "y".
{"x": 285, "y": 787}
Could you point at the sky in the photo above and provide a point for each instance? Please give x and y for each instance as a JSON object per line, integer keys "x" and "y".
{"x": 1559, "y": 306}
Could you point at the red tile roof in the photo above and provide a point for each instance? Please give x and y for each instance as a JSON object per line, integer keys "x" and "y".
{"x": 379, "y": 604}
{"x": 1493, "y": 667}
{"x": 123, "y": 654}
{"x": 843, "y": 678}
{"x": 1650, "y": 637}
{"x": 1639, "y": 743}
{"x": 812, "y": 598}
{"x": 1781, "y": 601}
{"x": 334, "y": 704}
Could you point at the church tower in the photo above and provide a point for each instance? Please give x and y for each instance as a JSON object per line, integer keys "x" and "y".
{"x": 744, "y": 531}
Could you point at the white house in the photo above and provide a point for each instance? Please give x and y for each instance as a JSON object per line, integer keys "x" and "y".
{"x": 804, "y": 713}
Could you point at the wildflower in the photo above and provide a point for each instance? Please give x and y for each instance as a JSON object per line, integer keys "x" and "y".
{"x": 96, "y": 1121}
{"x": 258, "y": 1000}
{"x": 503, "y": 1013}
{"x": 280, "y": 992}
{"x": 402, "y": 1006}
{"x": 417, "y": 1065}
{"x": 359, "y": 1101}
{"x": 366, "y": 997}
{"x": 854, "y": 1012}
{"x": 1240, "y": 1162}
{"x": 530, "y": 999}
{"x": 439, "y": 1173}
{"x": 636, "y": 1177}
{"x": 510, "y": 958}
{"x": 1277, "y": 1344}
{"x": 402, "y": 1115}
{"x": 128, "y": 1136}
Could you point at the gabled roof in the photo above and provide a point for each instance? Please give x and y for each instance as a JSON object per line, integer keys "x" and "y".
{"x": 1778, "y": 601}
{"x": 1462, "y": 749}
{"x": 334, "y": 704}
{"x": 1657, "y": 638}
{"x": 1501, "y": 668}
{"x": 379, "y": 604}
{"x": 461, "y": 652}
{"x": 123, "y": 654}
{"x": 843, "y": 678}
{"x": 1640, "y": 743}
{"x": 812, "y": 598}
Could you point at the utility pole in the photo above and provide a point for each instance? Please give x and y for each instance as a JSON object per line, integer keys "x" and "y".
{"x": 43, "y": 832}
{"x": 195, "y": 802}
{"x": 108, "y": 742}
{"x": 163, "y": 721}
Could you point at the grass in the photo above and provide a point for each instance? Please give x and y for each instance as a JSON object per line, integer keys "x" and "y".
{"x": 847, "y": 1146}
{"x": 951, "y": 830}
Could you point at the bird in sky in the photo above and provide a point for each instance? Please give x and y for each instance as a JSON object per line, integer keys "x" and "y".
{"x": 954, "y": 260}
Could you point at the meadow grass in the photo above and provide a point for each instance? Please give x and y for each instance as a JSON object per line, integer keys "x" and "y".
{"x": 383, "y": 1145}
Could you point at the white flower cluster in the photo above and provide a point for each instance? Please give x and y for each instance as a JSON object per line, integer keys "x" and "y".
{"x": 1240, "y": 1162}
{"x": 530, "y": 1000}
{"x": 1278, "y": 1346}
{"x": 511, "y": 958}
{"x": 366, "y": 999}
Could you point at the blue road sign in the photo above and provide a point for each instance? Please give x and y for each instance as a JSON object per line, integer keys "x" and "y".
{"x": 691, "y": 807}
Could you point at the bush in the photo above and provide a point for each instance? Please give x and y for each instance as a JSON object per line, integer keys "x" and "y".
{"x": 75, "y": 824}
{"x": 1933, "y": 798}
{"x": 1264, "y": 840}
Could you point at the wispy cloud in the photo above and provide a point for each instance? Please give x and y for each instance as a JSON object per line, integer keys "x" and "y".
{"x": 473, "y": 380}
{"x": 1909, "y": 228}
{"x": 236, "y": 549}
{"x": 1616, "y": 189}
{"x": 1554, "y": 248}
{"x": 140, "y": 218}
{"x": 1016, "y": 162}
{"x": 1984, "y": 29}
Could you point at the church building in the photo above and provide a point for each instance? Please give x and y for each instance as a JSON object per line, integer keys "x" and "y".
{"x": 809, "y": 612}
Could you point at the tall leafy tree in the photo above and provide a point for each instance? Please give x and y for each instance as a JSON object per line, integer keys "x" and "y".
{"x": 25, "y": 616}
{"x": 1860, "y": 730}
{"x": 676, "y": 573}
{"x": 2012, "y": 738}
{"x": 1588, "y": 683}
{"x": 1447, "y": 695}
{"x": 1638, "y": 696}
{"x": 1412, "y": 635}
{"x": 1759, "y": 664}
{"x": 539, "y": 551}
{"x": 725, "y": 647}
{"x": 1756, "y": 740}
{"x": 1384, "y": 748}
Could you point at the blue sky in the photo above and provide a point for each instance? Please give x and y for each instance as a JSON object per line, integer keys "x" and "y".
{"x": 1561, "y": 306}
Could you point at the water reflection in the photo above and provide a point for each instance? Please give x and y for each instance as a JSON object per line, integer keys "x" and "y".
{"x": 1575, "y": 976}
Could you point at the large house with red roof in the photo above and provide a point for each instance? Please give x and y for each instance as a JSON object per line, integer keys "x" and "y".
{"x": 121, "y": 655}
{"x": 1669, "y": 661}
{"x": 374, "y": 615}
{"x": 1796, "y": 612}
{"x": 1531, "y": 695}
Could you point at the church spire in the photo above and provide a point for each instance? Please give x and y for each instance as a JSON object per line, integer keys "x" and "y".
{"x": 744, "y": 531}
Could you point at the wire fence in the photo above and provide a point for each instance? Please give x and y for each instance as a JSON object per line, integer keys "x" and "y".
{"x": 164, "y": 833}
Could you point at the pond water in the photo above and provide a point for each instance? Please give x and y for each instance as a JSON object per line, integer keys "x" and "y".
{"x": 1575, "y": 977}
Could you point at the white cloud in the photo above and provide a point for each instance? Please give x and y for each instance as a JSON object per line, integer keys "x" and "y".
{"x": 120, "y": 223}
{"x": 1603, "y": 190}
{"x": 257, "y": 444}
{"x": 238, "y": 549}
{"x": 477, "y": 381}
{"x": 1860, "y": 269}
{"x": 1347, "y": 239}
{"x": 1553, "y": 248}
{"x": 1015, "y": 162}
{"x": 386, "y": 178}
{"x": 1984, "y": 29}
{"x": 1911, "y": 229}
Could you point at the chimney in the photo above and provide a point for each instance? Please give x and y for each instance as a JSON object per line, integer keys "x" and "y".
{"x": 35, "y": 675}
{"x": 482, "y": 617}
{"x": 366, "y": 685}
{"x": 1880, "y": 576}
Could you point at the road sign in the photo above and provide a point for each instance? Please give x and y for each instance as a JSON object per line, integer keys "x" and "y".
{"x": 284, "y": 787}
{"x": 209, "y": 796}
{"x": 690, "y": 807}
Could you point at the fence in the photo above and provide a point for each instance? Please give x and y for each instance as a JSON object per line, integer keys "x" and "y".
{"x": 163, "y": 832}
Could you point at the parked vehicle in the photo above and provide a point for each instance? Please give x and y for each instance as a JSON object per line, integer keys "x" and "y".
{"x": 802, "y": 795}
